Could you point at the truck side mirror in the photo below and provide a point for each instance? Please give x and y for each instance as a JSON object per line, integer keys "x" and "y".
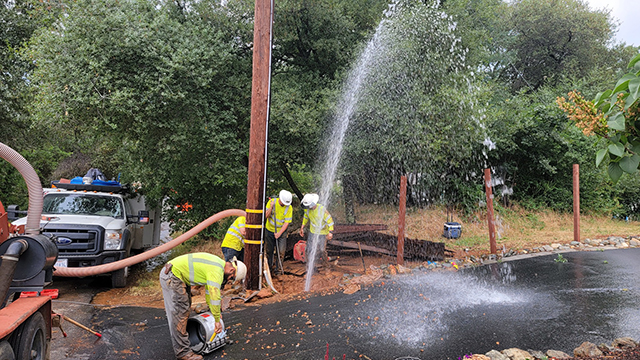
{"x": 143, "y": 217}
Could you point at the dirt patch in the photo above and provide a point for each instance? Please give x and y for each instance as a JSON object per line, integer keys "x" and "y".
{"x": 327, "y": 278}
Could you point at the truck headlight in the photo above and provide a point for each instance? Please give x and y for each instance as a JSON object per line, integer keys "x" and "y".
{"x": 113, "y": 240}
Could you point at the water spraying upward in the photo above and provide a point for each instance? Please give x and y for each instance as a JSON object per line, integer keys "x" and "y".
{"x": 345, "y": 111}
{"x": 407, "y": 108}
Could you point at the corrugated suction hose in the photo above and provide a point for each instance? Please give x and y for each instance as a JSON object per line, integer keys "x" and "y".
{"x": 117, "y": 265}
{"x": 33, "y": 185}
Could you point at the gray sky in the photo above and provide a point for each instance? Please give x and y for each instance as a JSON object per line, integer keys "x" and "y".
{"x": 628, "y": 13}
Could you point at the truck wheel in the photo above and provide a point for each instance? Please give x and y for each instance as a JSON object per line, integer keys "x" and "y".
{"x": 6, "y": 352}
{"x": 30, "y": 339}
{"x": 119, "y": 278}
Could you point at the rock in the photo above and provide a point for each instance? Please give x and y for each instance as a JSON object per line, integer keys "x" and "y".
{"x": 477, "y": 357}
{"x": 555, "y": 245}
{"x": 558, "y": 354}
{"x": 634, "y": 243}
{"x": 623, "y": 245}
{"x": 574, "y": 243}
{"x": 264, "y": 293}
{"x": 352, "y": 289}
{"x": 624, "y": 343}
{"x": 517, "y": 354}
{"x": 605, "y": 347}
{"x": 496, "y": 355}
{"x": 587, "y": 349}
{"x": 392, "y": 270}
{"x": 547, "y": 248}
{"x": 537, "y": 354}
{"x": 403, "y": 270}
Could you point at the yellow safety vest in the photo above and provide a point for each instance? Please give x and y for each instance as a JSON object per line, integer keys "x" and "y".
{"x": 320, "y": 220}
{"x": 234, "y": 239}
{"x": 279, "y": 215}
{"x": 202, "y": 269}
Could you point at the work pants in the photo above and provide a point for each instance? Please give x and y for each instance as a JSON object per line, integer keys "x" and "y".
{"x": 229, "y": 253}
{"x": 177, "y": 304}
{"x": 270, "y": 244}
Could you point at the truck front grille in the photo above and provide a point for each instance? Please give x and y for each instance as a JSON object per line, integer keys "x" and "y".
{"x": 76, "y": 239}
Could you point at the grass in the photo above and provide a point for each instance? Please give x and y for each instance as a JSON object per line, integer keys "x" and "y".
{"x": 516, "y": 228}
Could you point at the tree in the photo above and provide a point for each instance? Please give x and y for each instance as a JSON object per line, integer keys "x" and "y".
{"x": 417, "y": 112}
{"x": 167, "y": 96}
{"x": 555, "y": 38}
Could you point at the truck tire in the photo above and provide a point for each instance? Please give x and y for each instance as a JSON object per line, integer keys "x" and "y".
{"x": 6, "y": 352}
{"x": 119, "y": 278}
{"x": 30, "y": 339}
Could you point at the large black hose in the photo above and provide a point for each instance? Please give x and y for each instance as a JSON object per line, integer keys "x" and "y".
{"x": 8, "y": 266}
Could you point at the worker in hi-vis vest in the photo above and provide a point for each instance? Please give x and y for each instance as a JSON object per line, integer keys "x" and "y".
{"x": 233, "y": 243}
{"x": 278, "y": 217}
{"x": 176, "y": 279}
{"x": 320, "y": 226}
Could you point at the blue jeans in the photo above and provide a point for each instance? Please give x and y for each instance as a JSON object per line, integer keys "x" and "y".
{"x": 229, "y": 253}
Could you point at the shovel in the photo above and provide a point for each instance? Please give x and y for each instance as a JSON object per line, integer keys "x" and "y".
{"x": 247, "y": 298}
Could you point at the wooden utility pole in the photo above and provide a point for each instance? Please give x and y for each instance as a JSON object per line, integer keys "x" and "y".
{"x": 576, "y": 202}
{"x": 401, "y": 219}
{"x": 490, "y": 219}
{"x": 260, "y": 88}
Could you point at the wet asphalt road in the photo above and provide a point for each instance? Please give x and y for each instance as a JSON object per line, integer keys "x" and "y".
{"x": 533, "y": 303}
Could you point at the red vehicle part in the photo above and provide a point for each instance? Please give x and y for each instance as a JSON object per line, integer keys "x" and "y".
{"x": 4, "y": 224}
{"x": 26, "y": 328}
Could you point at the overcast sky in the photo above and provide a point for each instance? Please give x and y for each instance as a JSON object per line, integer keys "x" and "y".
{"x": 628, "y": 13}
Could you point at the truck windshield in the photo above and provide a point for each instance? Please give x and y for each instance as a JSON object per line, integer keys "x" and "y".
{"x": 83, "y": 204}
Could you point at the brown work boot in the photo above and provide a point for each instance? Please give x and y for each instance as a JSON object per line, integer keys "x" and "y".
{"x": 191, "y": 356}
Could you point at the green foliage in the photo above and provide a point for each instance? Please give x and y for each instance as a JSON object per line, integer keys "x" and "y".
{"x": 535, "y": 152}
{"x": 553, "y": 39}
{"x": 560, "y": 259}
{"x": 417, "y": 114}
{"x": 614, "y": 115}
{"x": 169, "y": 97}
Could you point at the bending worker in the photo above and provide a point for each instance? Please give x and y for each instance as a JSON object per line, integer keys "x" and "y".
{"x": 278, "y": 217}
{"x": 176, "y": 279}
{"x": 320, "y": 225}
{"x": 233, "y": 243}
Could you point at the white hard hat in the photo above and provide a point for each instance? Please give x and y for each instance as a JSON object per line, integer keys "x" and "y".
{"x": 309, "y": 201}
{"x": 285, "y": 197}
{"x": 241, "y": 269}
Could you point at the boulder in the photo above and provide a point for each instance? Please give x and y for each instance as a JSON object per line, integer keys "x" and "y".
{"x": 496, "y": 355}
{"x": 624, "y": 343}
{"x": 477, "y": 357}
{"x": 558, "y": 354}
{"x": 586, "y": 349}
{"x": 537, "y": 354}
{"x": 517, "y": 354}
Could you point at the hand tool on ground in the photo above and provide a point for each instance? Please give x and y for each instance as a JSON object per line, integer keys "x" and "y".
{"x": 279, "y": 259}
{"x": 80, "y": 325}
{"x": 364, "y": 267}
{"x": 56, "y": 321}
{"x": 247, "y": 298}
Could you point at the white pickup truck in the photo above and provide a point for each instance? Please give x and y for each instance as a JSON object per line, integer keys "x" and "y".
{"x": 95, "y": 225}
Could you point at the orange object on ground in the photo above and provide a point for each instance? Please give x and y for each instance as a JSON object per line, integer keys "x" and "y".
{"x": 53, "y": 293}
{"x": 299, "y": 251}
{"x": 26, "y": 294}
{"x": 80, "y": 326}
